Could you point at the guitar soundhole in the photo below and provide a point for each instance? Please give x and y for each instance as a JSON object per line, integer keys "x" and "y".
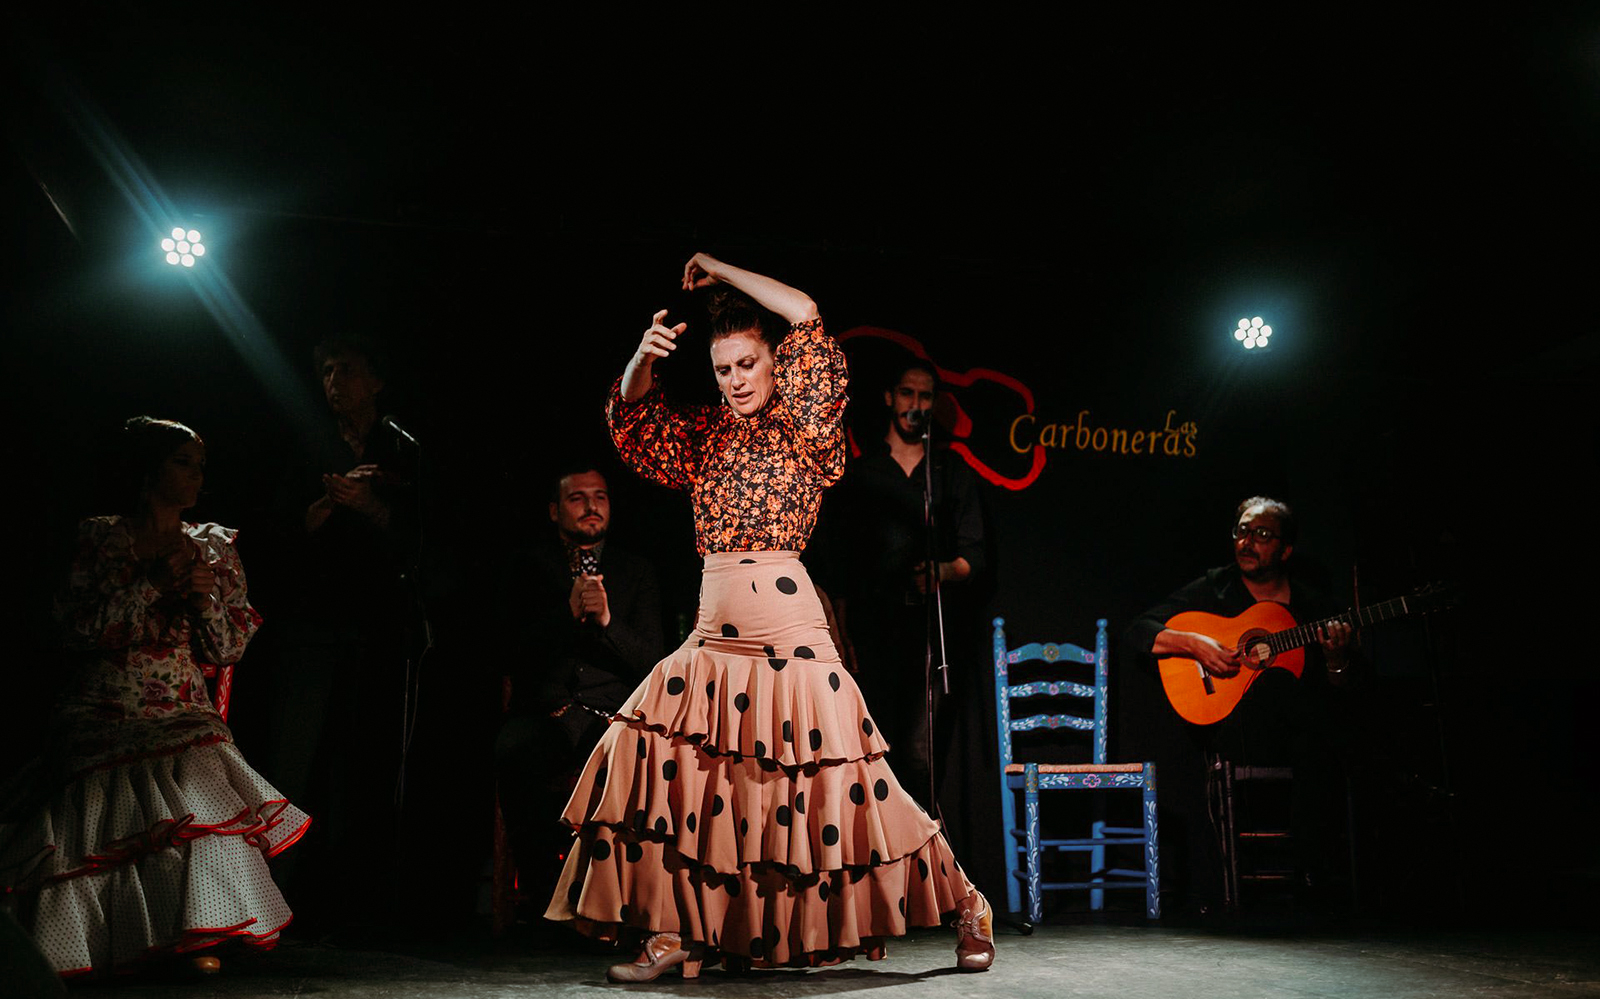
{"x": 1254, "y": 651}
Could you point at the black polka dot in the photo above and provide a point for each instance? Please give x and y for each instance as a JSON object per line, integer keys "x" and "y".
{"x": 690, "y": 822}
{"x": 866, "y": 725}
{"x": 758, "y": 947}
{"x": 778, "y": 664}
{"x": 633, "y": 852}
{"x": 833, "y": 680}
{"x": 822, "y": 891}
{"x": 744, "y": 827}
{"x": 675, "y": 685}
{"x": 943, "y": 870}
{"x": 769, "y": 765}
{"x": 669, "y": 769}
{"x": 643, "y": 751}
{"x": 768, "y": 650}
{"x": 741, "y": 701}
{"x": 702, "y": 644}
{"x": 761, "y": 748}
{"x": 875, "y": 859}
{"x": 788, "y": 731}
{"x": 623, "y": 913}
{"x": 729, "y": 631}
{"x": 602, "y": 849}
{"x": 880, "y": 790}
{"x": 711, "y": 689}
{"x": 661, "y": 825}
{"x": 804, "y": 652}
{"x": 747, "y": 561}
{"x": 783, "y": 815}
{"x": 786, "y": 585}
{"x": 800, "y": 802}
{"x": 574, "y": 890}
{"x": 773, "y": 936}
{"x": 753, "y": 587}
{"x": 858, "y": 794}
{"x": 639, "y": 820}
{"x": 732, "y": 884}
{"x": 922, "y": 868}
{"x": 830, "y": 834}
{"x": 816, "y": 739}
{"x": 717, "y": 805}
{"x": 902, "y": 906}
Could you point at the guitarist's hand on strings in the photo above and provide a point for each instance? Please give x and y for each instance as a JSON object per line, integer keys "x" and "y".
{"x": 1214, "y": 657}
{"x": 1334, "y": 637}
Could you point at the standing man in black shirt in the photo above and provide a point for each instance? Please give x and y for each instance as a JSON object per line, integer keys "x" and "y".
{"x": 1281, "y": 720}
{"x": 881, "y": 597}
{"x": 341, "y": 707}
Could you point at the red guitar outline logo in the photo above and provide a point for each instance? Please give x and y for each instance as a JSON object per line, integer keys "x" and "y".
{"x": 962, "y": 424}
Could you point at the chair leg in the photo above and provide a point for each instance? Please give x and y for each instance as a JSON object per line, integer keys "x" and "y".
{"x": 1152, "y": 847}
{"x": 1035, "y": 903}
{"x": 1097, "y": 866}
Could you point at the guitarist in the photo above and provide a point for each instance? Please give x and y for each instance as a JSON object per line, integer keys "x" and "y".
{"x": 1281, "y": 720}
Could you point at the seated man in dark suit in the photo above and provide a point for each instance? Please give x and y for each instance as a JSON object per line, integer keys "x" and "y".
{"x": 594, "y": 629}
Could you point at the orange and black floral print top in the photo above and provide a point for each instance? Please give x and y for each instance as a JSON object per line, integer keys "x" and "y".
{"x": 756, "y": 481}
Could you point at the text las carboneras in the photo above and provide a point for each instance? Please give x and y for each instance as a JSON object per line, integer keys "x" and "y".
{"x": 1169, "y": 440}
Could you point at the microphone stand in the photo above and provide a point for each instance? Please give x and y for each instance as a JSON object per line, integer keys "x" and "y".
{"x": 933, "y": 632}
{"x": 411, "y": 577}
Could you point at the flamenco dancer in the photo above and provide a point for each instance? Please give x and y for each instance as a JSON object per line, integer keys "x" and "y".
{"x": 142, "y": 832}
{"x": 740, "y": 805}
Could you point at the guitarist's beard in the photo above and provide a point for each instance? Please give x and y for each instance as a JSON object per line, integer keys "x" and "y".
{"x": 1263, "y": 570}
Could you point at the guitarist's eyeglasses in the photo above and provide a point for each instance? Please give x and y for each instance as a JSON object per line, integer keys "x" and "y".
{"x": 1259, "y": 533}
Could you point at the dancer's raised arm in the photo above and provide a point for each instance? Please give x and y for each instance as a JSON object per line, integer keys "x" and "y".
{"x": 704, "y": 270}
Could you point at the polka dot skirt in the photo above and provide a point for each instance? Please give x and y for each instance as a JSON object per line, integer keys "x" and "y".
{"x": 161, "y": 855}
{"x": 745, "y": 801}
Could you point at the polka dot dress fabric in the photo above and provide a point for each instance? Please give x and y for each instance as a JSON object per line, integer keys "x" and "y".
{"x": 162, "y": 855}
{"x": 744, "y": 800}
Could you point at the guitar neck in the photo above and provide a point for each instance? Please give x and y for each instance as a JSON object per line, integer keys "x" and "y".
{"x": 1305, "y": 634}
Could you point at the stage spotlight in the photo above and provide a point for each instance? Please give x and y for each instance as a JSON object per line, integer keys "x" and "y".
{"x": 183, "y": 247}
{"x": 1252, "y": 333}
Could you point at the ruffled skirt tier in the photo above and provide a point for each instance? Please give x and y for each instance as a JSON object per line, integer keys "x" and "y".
{"x": 161, "y": 855}
{"x": 742, "y": 798}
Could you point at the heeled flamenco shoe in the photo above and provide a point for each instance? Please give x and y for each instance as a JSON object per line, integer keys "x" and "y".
{"x": 975, "y": 934}
{"x": 205, "y": 964}
{"x": 659, "y": 952}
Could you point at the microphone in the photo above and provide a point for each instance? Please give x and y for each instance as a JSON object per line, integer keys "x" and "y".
{"x": 917, "y": 417}
{"x": 389, "y": 422}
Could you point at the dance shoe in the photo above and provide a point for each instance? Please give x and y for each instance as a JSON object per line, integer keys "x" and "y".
{"x": 659, "y": 952}
{"x": 975, "y": 934}
{"x": 205, "y": 964}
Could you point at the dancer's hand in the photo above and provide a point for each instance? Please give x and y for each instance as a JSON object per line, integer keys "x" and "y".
{"x": 702, "y": 271}
{"x": 660, "y": 340}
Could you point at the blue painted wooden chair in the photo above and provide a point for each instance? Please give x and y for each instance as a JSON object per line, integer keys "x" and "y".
{"x": 1023, "y": 843}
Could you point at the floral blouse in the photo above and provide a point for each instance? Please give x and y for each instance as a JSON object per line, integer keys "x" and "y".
{"x": 139, "y": 689}
{"x": 756, "y": 481}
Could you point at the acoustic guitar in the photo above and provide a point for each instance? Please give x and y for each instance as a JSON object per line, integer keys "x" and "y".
{"x": 1266, "y": 637}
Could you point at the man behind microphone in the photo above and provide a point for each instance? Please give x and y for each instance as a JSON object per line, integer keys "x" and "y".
{"x": 872, "y": 551}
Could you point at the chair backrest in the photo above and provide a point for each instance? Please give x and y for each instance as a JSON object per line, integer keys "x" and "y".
{"x": 1047, "y": 652}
